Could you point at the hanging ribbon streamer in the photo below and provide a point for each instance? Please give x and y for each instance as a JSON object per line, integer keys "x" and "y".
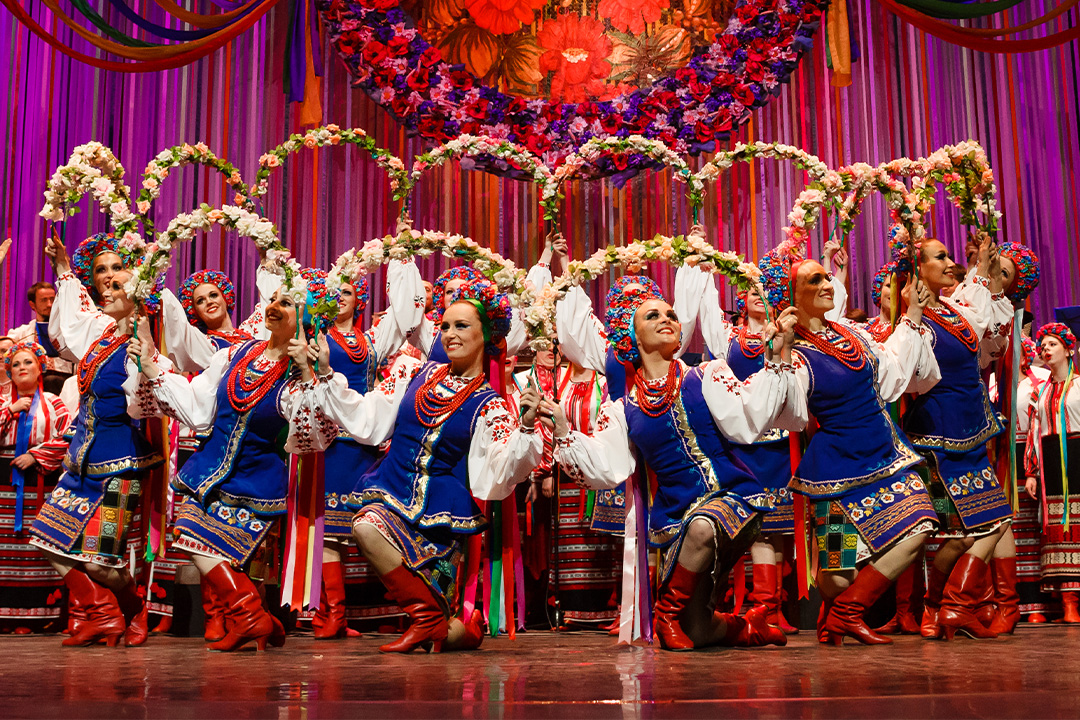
{"x": 1012, "y": 382}
{"x": 804, "y": 549}
{"x": 302, "y": 580}
{"x": 493, "y": 575}
{"x": 23, "y": 431}
{"x": 1063, "y": 439}
{"x": 629, "y": 627}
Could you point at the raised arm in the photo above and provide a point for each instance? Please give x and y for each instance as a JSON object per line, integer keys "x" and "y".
{"x": 192, "y": 403}
{"x": 518, "y": 337}
{"x": 697, "y": 300}
{"x": 405, "y": 289}
{"x": 745, "y": 409}
{"x": 75, "y": 323}
{"x": 581, "y": 334}
{"x": 369, "y": 418}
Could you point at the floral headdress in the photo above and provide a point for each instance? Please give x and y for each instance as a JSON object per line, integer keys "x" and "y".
{"x": 206, "y": 277}
{"x": 879, "y": 280}
{"x": 898, "y": 246}
{"x": 1059, "y": 330}
{"x": 1028, "y": 351}
{"x": 319, "y": 302}
{"x": 1026, "y": 278}
{"x": 619, "y": 286}
{"x": 24, "y": 346}
{"x": 776, "y": 277}
{"x": 495, "y": 312}
{"x": 619, "y": 320}
{"x": 462, "y": 272}
{"x": 131, "y": 254}
{"x": 362, "y": 294}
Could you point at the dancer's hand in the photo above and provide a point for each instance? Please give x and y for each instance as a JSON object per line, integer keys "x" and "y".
{"x": 57, "y": 254}
{"x": 560, "y": 253}
{"x": 1031, "y": 486}
{"x": 24, "y": 461}
{"x": 141, "y": 352}
{"x": 19, "y": 406}
{"x": 781, "y": 332}
{"x": 4, "y": 247}
{"x": 529, "y": 403}
{"x": 918, "y": 299}
{"x": 553, "y": 417}
{"x": 301, "y": 353}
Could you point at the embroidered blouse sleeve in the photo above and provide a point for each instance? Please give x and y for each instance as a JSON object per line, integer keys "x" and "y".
{"x": 906, "y": 360}
{"x": 405, "y": 289}
{"x": 369, "y": 418}
{"x": 1033, "y": 446}
{"x": 501, "y": 454}
{"x": 745, "y": 409}
{"x": 192, "y": 403}
{"x": 986, "y": 313}
{"x": 604, "y": 459}
{"x": 185, "y": 343}
{"x": 141, "y": 402}
{"x": 698, "y": 301}
{"x": 581, "y": 334}
{"x": 51, "y": 446}
{"x": 267, "y": 283}
{"x": 518, "y": 337}
{"x": 75, "y": 323}
{"x": 423, "y": 337}
{"x": 840, "y": 302}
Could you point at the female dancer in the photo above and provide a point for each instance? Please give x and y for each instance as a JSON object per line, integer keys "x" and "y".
{"x": 1053, "y": 464}
{"x": 357, "y": 356}
{"x": 707, "y": 508}
{"x": 881, "y": 293}
{"x": 453, "y": 440}
{"x": 873, "y": 512}
{"x": 950, "y": 423}
{"x": 32, "y": 445}
{"x": 83, "y": 528}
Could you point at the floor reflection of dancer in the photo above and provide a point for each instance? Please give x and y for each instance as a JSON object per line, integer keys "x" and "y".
{"x": 1053, "y": 465}
{"x": 235, "y": 485}
{"x": 873, "y": 511}
{"x": 83, "y": 527}
{"x": 707, "y": 508}
{"x": 453, "y": 440}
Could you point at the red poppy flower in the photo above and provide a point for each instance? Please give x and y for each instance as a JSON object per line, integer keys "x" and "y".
{"x": 577, "y": 49}
{"x": 631, "y": 15}
{"x": 503, "y": 17}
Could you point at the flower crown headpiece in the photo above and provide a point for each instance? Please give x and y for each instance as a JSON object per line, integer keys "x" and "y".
{"x": 438, "y": 294}
{"x": 24, "y": 346}
{"x": 619, "y": 319}
{"x": 206, "y": 277}
{"x": 495, "y": 312}
{"x": 1026, "y": 278}
{"x": 619, "y": 286}
{"x": 131, "y": 255}
{"x": 1059, "y": 330}
{"x": 1028, "y": 351}
{"x": 879, "y": 280}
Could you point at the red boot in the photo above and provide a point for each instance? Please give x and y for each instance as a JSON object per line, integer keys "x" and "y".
{"x": 985, "y": 609}
{"x": 331, "y": 610}
{"x": 429, "y": 627}
{"x": 213, "y": 613}
{"x": 822, "y": 615}
{"x": 1036, "y": 618}
{"x": 133, "y": 606}
{"x": 474, "y": 635}
{"x": 751, "y": 630}
{"x": 846, "y": 616}
{"x": 763, "y": 594}
{"x": 1069, "y": 602}
{"x": 903, "y": 622}
{"x": 247, "y": 619}
{"x": 779, "y": 620}
{"x": 76, "y": 614}
{"x": 935, "y": 586}
{"x": 163, "y": 626}
{"x": 104, "y": 621}
{"x": 672, "y": 602}
{"x": 1008, "y": 600}
{"x": 966, "y": 586}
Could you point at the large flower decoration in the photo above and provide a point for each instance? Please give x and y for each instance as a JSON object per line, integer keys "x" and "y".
{"x": 549, "y": 79}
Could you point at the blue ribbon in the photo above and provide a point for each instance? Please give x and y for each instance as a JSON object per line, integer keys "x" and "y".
{"x": 161, "y": 30}
{"x": 24, "y": 429}
{"x": 44, "y": 341}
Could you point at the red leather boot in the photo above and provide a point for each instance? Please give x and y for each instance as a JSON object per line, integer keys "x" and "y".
{"x": 903, "y": 622}
{"x": 136, "y": 616}
{"x": 1069, "y": 603}
{"x": 213, "y": 613}
{"x": 985, "y": 608}
{"x": 763, "y": 594}
{"x": 163, "y": 626}
{"x": 751, "y": 630}
{"x": 846, "y": 616}
{"x": 779, "y": 620}
{"x": 474, "y": 635}
{"x": 429, "y": 627}
{"x": 822, "y": 615}
{"x": 103, "y": 621}
{"x": 672, "y": 602}
{"x": 963, "y": 591}
{"x": 331, "y": 612}
{"x": 76, "y": 614}
{"x": 247, "y": 620}
{"x": 1005, "y": 595}
{"x": 935, "y": 586}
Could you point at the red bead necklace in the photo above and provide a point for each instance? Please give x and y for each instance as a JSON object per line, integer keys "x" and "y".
{"x": 431, "y": 407}
{"x": 254, "y": 390}
{"x": 356, "y": 348}
{"x": 880, "y": 330}
{"x": 848, "y": 349}
{"x": 748, "y": 350}
{"x": 956, "y": 324}
{"x": 655, "y": 401}
{"x": 233, "y": 337}
{"x": 89, "y": 363}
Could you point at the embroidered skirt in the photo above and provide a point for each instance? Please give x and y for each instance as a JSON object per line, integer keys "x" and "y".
{"x": 735, "y": 525}
{"x": 230, "y": 532}
{"x": 866, "y": 520}
{"x": 968, "y": 498}
{"x": 89, "y": 519}
{"x": 345, "y": 461}
{"x": 770, "y": 463}
{"x": 609, "y": 511}
{"x": 588, "y": 562}
{"x": 433, "y": 554}
{"x": 29, "y": 587}
{"x": 1060, "y": 556}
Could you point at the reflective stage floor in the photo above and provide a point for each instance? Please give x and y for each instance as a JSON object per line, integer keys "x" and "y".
{"x": 1035, "y": 673}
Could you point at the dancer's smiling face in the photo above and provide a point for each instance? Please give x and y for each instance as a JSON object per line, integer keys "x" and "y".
{"x": 281, "y": 315}
{"x": 114, "y": 299}
{"x": 656, "y": 326}
{"x": 105, "y": 266}
{"x": 210, "y": 305}
{"x": 813, "y": 289}
{"x": 462, "y": 332}
{"x": 25, "y": 370}
{"x": 346, "y": 302}
{"x": 936, "y": 266}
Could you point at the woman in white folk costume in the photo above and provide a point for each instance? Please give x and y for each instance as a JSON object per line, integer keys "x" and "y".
{"x": 682, "y": 421}
{"x": 235, "y": 485}
{"x": 32, "y": 446}
{"x": 454, "y": 441}
{"x": 768, "y": 459}
{"x": 1053, "y": 465}
{"x": 84, "y": 526}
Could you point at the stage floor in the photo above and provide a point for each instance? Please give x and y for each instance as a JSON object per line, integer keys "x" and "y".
{"x": 1034, "y": 674}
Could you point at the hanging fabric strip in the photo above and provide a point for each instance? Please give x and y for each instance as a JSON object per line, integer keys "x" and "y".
{"x": 643, "y": 576}
{"x": 802, "y": 545}
{"x": 23, "y": 430}
{"x": 473, "y": 551}
{"x": 304, "y": 533}
{"x": 1013, "y": 380}
{"x": 628, "y": 606}
{"x": 494, "y": 576}
{"x": 1063, "y": 438}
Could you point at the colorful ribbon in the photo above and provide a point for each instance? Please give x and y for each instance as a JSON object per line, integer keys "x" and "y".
{"x": 23, "y": 430}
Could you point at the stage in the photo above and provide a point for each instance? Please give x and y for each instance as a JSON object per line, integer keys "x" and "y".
{"x": 1036, "y": 673}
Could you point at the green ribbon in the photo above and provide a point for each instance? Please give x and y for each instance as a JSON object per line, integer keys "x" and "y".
{"x": 959, "y": 11}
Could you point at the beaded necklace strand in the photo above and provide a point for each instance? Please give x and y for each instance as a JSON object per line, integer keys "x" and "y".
{"x": 431, "y": 407}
